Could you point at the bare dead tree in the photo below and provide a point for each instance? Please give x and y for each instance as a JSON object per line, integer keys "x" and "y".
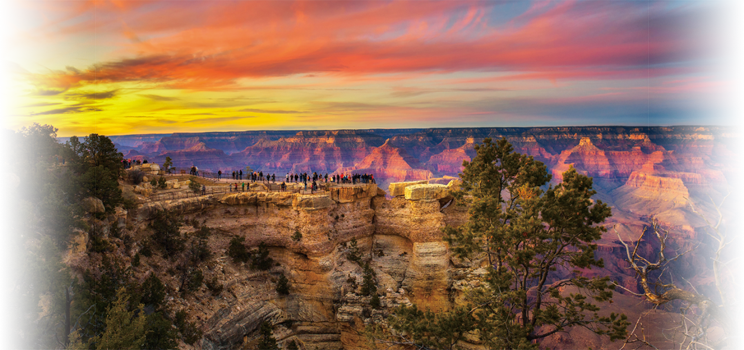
{"x": 698, "y": 312}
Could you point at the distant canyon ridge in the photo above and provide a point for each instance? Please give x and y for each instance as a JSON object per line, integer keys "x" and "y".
{"x": 640, "y": 171}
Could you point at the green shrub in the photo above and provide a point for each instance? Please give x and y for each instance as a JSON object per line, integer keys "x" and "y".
{"x": 214, "y": 286}
{"x": 375, "y": 301}
{"x": 353, "y": 254}
{"x": 267, "y": 341}
{"x": 293, "y": 345}
{"x": 282, "y": 286}
{"x": 146, "y": 249}
{"x": 99, "y": 244}
{"x": 193, "y": 185}
{"x": 189, "y": 332}
{"x": 237, "y": 250}
{"x": 154, "y": 182}
{"x": 261, "y": 259}
{"x": 136, "y": 260}
{"x": 369, "y": 285}
{"x": 196, "y": 278}
{"x": 153, "y": 291}
{"x": 161, "y": 182}
{"x": 167, "y": 233}
{"x": 297, "y": 236}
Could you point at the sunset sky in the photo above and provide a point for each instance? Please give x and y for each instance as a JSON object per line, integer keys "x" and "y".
{"x": 124, "y": 67}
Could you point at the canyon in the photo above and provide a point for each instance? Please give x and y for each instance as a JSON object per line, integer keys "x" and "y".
{"x": 641, "y": 172}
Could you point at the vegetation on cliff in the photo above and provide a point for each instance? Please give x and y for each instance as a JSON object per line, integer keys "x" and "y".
{"x": 537, "y": 242}
{"x": 72, "y": 190}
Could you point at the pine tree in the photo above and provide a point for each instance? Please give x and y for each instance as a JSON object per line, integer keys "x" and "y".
{"x": 525, "y": 233}
{"x": 124, "y": 330}
{"x": 237, "y": 250}
{"x": 261, "y": 259}
{"x": 282, "y": 286}
{"x": 167, "y": 164}
{"x": 292, "y": 345}
{"x": 369, "y": 284}
{"x": 353, "y": 254}
{"x": 267, "y": 341}
{"x": 167, "y": 232}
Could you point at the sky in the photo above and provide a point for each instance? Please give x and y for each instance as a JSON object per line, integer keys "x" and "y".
{"x": 118, "y": 67}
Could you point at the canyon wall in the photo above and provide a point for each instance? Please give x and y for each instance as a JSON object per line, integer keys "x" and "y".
{"x": 640, "y": 172}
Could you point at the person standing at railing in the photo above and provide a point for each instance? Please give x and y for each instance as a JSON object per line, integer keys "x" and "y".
{"x": 242, "y": 187}
{"x": 204, "y": 190}
{"x": 219, "y": 175}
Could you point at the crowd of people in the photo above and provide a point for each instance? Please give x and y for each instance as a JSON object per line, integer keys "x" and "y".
{"x": 314, "y": 181}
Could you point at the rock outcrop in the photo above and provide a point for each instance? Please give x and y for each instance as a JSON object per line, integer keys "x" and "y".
{"x": 398, "y": 189}
{"x": 93, "y": 205}
{"x": 426, "y": 192}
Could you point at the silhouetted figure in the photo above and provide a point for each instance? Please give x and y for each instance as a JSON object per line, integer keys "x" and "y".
{"x": 219, "y": 174}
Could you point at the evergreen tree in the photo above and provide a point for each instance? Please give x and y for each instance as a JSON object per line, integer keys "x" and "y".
{"x": 375, "y": 302}
{"x": 124, "y": 330}
{"x": 526, "y": 234}
{"x": 292, "y": 345}
{"x": 160, "y": 333}
{"x": 297, "y": 236}
{"x": 237, "y": 250}
{"x": 353, "y": 253}
{"x": 369, "y": 284}
{"x": 167, "y": 164}
{"x": 153, "y": 292}
{"x": 167, "y": 234}
{"x": 267, "y": 341}
{"x": 194, "y": 185}
{"x": 189, "y": 332}
{"x": 99, "y": 150}
{"x": 282, "y": 286}
{"x": 261, "y": 259}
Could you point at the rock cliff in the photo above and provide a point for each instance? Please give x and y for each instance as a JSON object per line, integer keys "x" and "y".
{"x": 640, "y": 172}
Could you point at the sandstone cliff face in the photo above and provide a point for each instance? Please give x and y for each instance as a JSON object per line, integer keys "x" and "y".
{"x": 323, "y": 311}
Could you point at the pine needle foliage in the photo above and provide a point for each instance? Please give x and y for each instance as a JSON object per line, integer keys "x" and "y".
{"x": 537, "y": 239}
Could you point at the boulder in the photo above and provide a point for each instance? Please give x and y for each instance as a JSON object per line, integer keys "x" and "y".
{"x": 426, "y": 192}
{"x": 312, "y": 202}
{"x": 257, "y": 187}
{"x": 145, "y": 191}
{"x": 242, "y": 198}
{"x": 277, "y": 198}
{"x": 12, "y": 179}
{"x": 348, "y": 194}
{"x": 454, "y": 184}
{"x": 398, "y": 188}
{"x": 93, "y": 205}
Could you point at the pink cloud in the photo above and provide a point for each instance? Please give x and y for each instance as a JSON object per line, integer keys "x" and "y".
{"x": 211, "y": 44}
